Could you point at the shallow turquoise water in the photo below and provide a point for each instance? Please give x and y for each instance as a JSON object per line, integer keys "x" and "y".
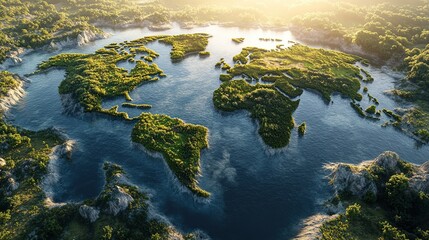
{"x": 256, "y": 193}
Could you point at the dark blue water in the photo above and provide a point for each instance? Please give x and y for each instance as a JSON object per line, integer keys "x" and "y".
{"x": 256, "y": 193}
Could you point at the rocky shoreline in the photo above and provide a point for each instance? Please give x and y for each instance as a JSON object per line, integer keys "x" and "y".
{"x": 358, "y": 182}
{"x": 13, "y": 96}
{"x": 15, "y": 57}
{"x": 83, "y": 38}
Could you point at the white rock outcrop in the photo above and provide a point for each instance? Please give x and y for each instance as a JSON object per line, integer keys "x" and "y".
{"x": 66, "y": 149}
{"x": 82, "y": 38}
{"x": 89, "y": 213}
{"x": 356, "y": 179}
{"x": 119, "y": 201}
{"x": 311, "y": 226}
{"x": 13, "y": 96}
{"x": 14, "y": 57}
{"x": 70, "y": 105}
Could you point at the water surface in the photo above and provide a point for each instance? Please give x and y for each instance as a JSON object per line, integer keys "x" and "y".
{"x": 256, "y": 194}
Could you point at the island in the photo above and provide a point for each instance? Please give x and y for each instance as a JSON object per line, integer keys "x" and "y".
{"x": 282, "y": 74}
{"x": 91, "y": 78}
{"x": 238, "y": 40}
{"x": 179, "y": 143}
{"x": 272, "y": 109}
{"x": 399, "y": 41}
{"x": 325, "y": 71}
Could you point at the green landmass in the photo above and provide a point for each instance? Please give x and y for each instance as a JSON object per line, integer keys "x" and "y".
{"x": 8, "y": 82}
{"x": 392, "y": 204}
{"x": 287, "y": 88}
{"x": 132, "y": 105}
{"x": 187, "y": 44}
{"x": 225, "y": 77}
{"x": 325, "y": 71}
{"x": 302, "y": 129}
{"x": 24, "y": 156}
{"x": 238, "y": 40}
{"x": 91, "y": 78}
{"x": 179, "y": 143}
{"x": 287, "y": 72}
{"x": 414, "y": 121}
{"x": 119, "y": 212}
{"x": 394, "y": 33}
{"x": 272, "y": 109}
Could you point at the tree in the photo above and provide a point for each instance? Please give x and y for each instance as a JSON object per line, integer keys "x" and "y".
{"x": 398, "y": 193}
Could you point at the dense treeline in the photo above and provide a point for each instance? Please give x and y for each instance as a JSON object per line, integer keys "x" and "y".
{"x": 32, "y": 24}
{"x": 180, "y": 144}
{"x": 418, "y": 68}
{"x": 394, "y": 33}
{"x": 384, "y": 30}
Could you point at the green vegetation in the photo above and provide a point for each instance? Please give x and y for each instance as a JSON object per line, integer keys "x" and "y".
{"x": 24, "y": 156}
{"x": 395, "y": 33}
{"x": 386, "y": 30}
{"x": 25, "y": 210}
{"x": 225, "y": 77}
{"x": 238, "y": 40}
{"x": 419, "y": 122}
{"x": 272, "y": 110}
{"x": 371, "y": 109}
{"x": 7, "y": 82}
{"x": 106, "y": 217}
{"x": 418, "y": 67}
{"x": 132, "y": 105}
{"x": 186, "y": 44}
{"x": 302, "y": 129}
{"x": 180, "y": 144}
{"x": 21, "y": 198}
{"x": 397, "y": 211}
{"x": 287, "y": 88}
{"x": 290, "y": 71}
{"x": 90, "y": 78}
{"x": 359, "y": 110}
{"x": 322, "y": 70}
{"x": 204, "y": 54}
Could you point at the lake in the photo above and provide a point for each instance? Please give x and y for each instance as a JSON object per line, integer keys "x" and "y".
{"x": 257, "y": 193}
